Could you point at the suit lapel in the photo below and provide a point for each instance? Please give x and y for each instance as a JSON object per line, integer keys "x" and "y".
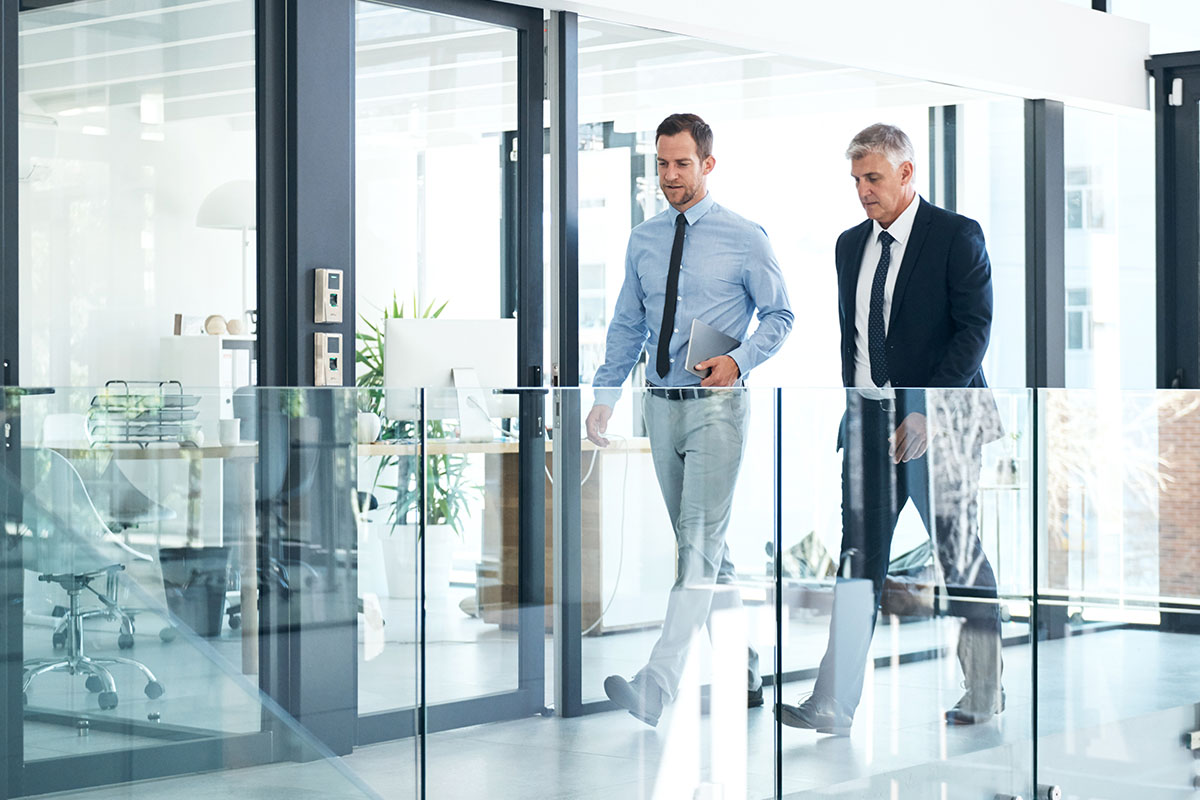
{"x": 912, "y": 252}
{"x": 848, "y": 272}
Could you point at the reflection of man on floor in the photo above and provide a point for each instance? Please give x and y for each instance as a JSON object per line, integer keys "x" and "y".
{"x": 695, "y": 261}
{"x": 915, "y": 301}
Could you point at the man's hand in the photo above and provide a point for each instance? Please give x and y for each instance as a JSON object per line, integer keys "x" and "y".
{"x": 723, "y": 371}
{"x": 597, "y": 424}
{"x": 910, "y": 440}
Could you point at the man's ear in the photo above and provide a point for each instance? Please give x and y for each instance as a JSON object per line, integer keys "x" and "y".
{"x": 709, "y": 163}
{"x": 907, "y": 170}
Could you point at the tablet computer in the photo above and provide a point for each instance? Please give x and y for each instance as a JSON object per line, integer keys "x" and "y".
{"x": 706, "y": 342}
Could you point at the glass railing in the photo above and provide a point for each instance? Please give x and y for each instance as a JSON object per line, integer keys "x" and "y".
{"x": 1118, "y": 593}
{"x": 366, "y": 592}
{"x": 181, "y": 570}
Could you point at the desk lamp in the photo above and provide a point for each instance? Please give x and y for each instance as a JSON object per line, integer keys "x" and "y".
{"x": 231, "y": 206}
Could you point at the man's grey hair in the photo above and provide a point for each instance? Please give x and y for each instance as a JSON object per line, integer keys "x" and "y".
{"x": 888, "y": 140}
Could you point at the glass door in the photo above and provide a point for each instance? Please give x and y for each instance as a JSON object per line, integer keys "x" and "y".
{"x": 448, "y": 273}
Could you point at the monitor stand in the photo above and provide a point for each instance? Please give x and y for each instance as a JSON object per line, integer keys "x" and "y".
{"x": 474, "y": 422}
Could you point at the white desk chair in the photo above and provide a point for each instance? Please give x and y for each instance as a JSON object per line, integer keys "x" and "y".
{"x": 66, "y": 542}
{"x": 121, "y": 505}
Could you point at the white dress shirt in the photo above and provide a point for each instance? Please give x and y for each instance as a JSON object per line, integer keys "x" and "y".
{"x": 900, "y": 230}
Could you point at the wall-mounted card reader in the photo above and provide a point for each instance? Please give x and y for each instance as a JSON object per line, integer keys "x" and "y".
{"x": 327, "y": 359}
{"x": 328, "y": 301}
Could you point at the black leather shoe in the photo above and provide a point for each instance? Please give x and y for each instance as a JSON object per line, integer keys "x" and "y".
{"x": 641, "y": 697}
{"x": 975, "y": 707}
{"x": 754, "y": 698}
{"x": 816, "y": 715}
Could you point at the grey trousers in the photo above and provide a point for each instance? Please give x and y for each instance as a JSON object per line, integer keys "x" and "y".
{"x": 697, "y": 445}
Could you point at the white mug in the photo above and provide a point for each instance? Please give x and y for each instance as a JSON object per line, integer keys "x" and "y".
{"x": 231, "y": 431}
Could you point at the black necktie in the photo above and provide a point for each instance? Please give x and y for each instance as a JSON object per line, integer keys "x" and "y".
{"x": 663, "y": 362}
{"x": 876, "y": 334}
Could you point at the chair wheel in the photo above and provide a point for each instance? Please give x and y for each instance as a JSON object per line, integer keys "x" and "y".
{"x": 108, "y": 700}
{"x": 125, "y": 641}
{"x": 235, "y": 621}
{"x": 154, "y": 690}
{"x": 58, "y": 640}
{"x": 167, "y": 634}
{"x": 94, "y": 684}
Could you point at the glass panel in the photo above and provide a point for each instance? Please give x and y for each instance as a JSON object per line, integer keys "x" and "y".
{"x": 137, "y": 199}
{"x": 1119, "y": 606}
{"x": 1110, "y": 249}
{"x": 630, "y": 78}
{"x": 948, "y": 597}
{"x": 389, "y": 465}
{"x": 990, "y": 166}
{"x": 168, "y": 577}
{"x": 435, "y": 150}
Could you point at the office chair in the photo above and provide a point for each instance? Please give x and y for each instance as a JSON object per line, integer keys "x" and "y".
{"x": 121, "y": 505}
{"x": 66, "y": 542}
{"x": 287, "y": 474}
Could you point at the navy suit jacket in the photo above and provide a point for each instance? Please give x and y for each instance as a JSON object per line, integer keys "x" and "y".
{"x": 941, "y": 314}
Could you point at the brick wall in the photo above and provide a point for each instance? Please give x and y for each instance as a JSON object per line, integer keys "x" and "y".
{"x": 1179, "y": 497}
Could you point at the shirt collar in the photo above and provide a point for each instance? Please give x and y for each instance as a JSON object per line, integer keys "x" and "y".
{"x": 902, "y": 227}
{"x": 696, "y": 212}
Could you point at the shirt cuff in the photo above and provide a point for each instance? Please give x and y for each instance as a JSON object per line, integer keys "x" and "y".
{"x": 741, "y": 357}
{"x": 607, "y": 396}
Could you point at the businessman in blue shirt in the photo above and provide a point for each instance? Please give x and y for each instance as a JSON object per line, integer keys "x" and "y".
{"x": 695, "y": 261}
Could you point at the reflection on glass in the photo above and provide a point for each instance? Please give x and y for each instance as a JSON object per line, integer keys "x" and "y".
{"x": 989, "y": 164}
{"x": 906, "y": 647}
{"x": 148, "y": 585}
{"x": 1109, "y": 241}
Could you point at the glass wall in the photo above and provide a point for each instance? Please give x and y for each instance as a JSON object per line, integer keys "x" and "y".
{"x": 1109, "y": 242}
{"x": 278, "y": 566}
{"x": 1114, "y": 654}
{"x": 151, "y": 635}
{"x": 990, "y": 166}
{"x": 137, "y": 208}
{"x": 1118, "y": 595}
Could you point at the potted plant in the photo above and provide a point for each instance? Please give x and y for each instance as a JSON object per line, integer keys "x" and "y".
{"x": 448, "y": 488}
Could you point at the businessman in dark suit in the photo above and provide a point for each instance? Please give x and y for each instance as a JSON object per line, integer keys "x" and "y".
{"x": 915, "y": 303}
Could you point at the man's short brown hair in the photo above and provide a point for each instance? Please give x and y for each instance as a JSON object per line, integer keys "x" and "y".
{"x": 701, "y": 134}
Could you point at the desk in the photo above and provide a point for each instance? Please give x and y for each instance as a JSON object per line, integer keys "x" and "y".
{"x": 496, "y": 572}
{"x": 237, "y": 512}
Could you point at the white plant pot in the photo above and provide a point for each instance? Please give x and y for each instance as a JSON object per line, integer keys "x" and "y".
{"x": 372, "y": 573}
{"x": 369, "y": 426}
{"x": 400, "y": 559}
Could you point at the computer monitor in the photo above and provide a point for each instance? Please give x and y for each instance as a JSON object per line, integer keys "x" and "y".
{"x": 460, "y": 360}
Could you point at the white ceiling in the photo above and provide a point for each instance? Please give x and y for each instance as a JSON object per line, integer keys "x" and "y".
{"x": 427, "y": 78}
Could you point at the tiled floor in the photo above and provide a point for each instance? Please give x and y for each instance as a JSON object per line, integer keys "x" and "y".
{"x": 1104, "y": 697}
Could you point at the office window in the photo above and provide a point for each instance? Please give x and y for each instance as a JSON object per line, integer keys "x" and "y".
{"x": 1085, "y": 199}
{"x": 1079, "y": 319}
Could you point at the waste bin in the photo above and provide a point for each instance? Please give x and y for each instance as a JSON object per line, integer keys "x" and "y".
{"x": 195, "y": 580}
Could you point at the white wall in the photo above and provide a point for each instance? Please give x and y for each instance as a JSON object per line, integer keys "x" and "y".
{"x": 110, "y": 250}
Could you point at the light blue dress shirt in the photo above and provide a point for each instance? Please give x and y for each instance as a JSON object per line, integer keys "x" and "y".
{"x": 728, "y": 270}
